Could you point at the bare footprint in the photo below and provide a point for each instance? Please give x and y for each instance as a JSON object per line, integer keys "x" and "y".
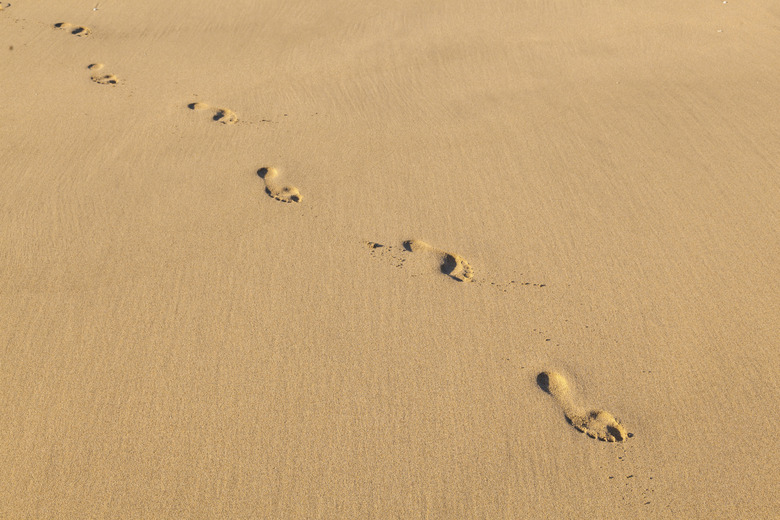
{"x": 76, "y": 30}
{"x": 220, "y": 115}
{"x": 455, "y": 266}
{"x": 598, "y": 424}
{"x": 102, "y": 79}
{"x": 277, "y": 190}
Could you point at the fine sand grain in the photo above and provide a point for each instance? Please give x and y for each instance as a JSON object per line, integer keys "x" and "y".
{"x": 526, "y": 264}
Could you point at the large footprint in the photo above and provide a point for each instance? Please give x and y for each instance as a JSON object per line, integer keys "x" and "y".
{"x": 77, "y": 30}
{"x": 277, "y": 190}
{"x": 598, "y": 424}
{"x": 220, "y": 115}
{"x": 455, "y": 266}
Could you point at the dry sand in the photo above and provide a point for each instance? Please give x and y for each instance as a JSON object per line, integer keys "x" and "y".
{"x": 510, "y": 224}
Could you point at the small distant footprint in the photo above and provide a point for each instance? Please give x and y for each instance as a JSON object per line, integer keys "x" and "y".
{"x": 102, "y": 79}
{"x": 598, "y": 424}
{"x": 277, "y": 190}
{"x": 77, "y": 30}
{"x": 221, "y": 115}
{"x": 455, "y": 266}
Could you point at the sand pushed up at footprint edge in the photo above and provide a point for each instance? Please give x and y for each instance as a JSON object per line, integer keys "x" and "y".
{"x": 220, "y": 115}
{"x": 279, "y": 191}
{"x": 76, "y": 30}
{"x": 454, "y": 266}
{"x": 598, "y": 424}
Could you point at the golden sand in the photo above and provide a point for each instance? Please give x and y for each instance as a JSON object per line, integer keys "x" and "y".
{"x": 264, "y": 318}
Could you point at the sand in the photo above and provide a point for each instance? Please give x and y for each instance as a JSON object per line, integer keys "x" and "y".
{"x": 295, "y": 259}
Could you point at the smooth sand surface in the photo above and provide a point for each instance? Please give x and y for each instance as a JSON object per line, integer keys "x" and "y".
{"x": 512, "y": 229}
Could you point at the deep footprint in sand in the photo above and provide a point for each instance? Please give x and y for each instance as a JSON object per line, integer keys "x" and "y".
{"x": 454, "y": 266}
{"x": 76, "y": 30}
{"x": 279, "y": 191}
{"x": 102, "y": 79}
{"x": 598, "y": 424}
{"x": 220, "y": 115}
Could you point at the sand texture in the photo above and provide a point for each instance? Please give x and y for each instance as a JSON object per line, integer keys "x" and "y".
{"x": 389, "y": 259}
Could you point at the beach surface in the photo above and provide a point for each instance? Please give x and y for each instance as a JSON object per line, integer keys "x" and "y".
{"x": 374, "y": 259}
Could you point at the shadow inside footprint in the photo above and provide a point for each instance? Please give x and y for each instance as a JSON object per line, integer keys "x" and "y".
{"x": 543, "y": 380}
{"x": 223, "y": 116}
{"x": 616, "y": 433}
{"x": 448, "y": 266}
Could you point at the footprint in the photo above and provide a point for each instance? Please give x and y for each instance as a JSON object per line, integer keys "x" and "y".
{"x": 281, "y": 192}
{"x": 77, "y": 30}
{"x": 221, "y": 115}
{"x": 108, "y": 79}
{"x": 455, "y": 266}
{"x": 102, "y": 79}
{"x": 598, "y": 424}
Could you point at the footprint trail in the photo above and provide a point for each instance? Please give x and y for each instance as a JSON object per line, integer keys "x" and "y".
{"x": 76, "y": 30}
{"x": 220, "y": 115}
{"x": 279, "y": 191}
{"x": 454, "y": 266}
{"x": 598, "y": 424}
